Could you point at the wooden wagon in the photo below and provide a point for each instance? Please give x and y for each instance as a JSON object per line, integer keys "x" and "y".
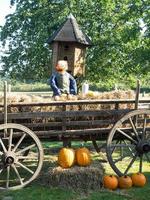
{"x": 124, "y": 129}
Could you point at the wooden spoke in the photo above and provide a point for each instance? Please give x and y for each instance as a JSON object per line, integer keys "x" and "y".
{"x": 15, "y": 157}
{"x": 141, "y": 163}
{"x": 130, "y": 164}
{"x": 27, "y": 157}
{"x": 147, "y": 157}
{"x": 129, "y": 147}
{"x": 127, "y": 136}
{"x": 8, "y": 176}
{"x": 134, "y": 129}
{"x": 25, "y": 149}
{"x": 128, "y": 132}
{"x": 147, "y": 136}
{"x": 10, "y": 139}
{"x": 17, "y": 173}
{"x": 1, "y": 169}
{"x": 122, "y": 145}
{"x": 25, "y": 167}
{"x": 3, "y": 146}
{"x": 114, "y": 146}
{"x": 119, "y": 159}
{"x": 144, "y": 128}
{"x": 19, "y": 142}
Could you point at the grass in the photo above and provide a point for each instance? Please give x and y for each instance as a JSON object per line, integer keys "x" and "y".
{"x": 36, "y": 191}
{"x": 43, "y": 86}
{"x": 17, "y": 86}
{"x": 33, "y": 87}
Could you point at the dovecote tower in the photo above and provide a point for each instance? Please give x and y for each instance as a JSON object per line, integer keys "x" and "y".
{"x": 69, "y": 43}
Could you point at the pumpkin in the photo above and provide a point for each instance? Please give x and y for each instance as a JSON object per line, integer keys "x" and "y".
{"x": 66, "y": 157}
{"x": 83, "y": 157}
{"x": 138, "y": 179}
{"x": 125, "y": 182}
{"x": 110, "y": 182}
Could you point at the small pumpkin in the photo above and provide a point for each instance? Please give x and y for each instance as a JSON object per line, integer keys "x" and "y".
{"x": 110, "y": 182}
{"x": 125, "y": 182}
{"x": 66, "y": 157}
{"x": 83, "y": 157}
{"x": 138, "y": 179}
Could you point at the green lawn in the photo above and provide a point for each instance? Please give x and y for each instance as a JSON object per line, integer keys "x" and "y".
{"x": 36, "y": 191}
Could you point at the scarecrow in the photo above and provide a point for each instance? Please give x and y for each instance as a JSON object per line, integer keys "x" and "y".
{"x": 62, "y": 82}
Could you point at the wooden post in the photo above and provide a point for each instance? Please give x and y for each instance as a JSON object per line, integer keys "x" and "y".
{"x": 137, "y": 94}
{"x": 66, "y": 141}
{"x": 9, "y": 88}
{"x": 5, "y": 106}
{"x": 116, "y": 106}
{"x": 137, "y": 101}
{"x": 5, "y": 102}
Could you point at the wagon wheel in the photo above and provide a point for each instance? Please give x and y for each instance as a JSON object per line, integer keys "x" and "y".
{"x": 18, "y": 168}
{"x": 128, "y": 144}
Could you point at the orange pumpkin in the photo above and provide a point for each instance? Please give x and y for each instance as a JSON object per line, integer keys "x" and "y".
{"x": 138, "y": 179}
{"x": 125, "y": 182}
{"x": 83, "y": 157}
{"x": 110, "y": 182}
{"x": 66, "y": 157}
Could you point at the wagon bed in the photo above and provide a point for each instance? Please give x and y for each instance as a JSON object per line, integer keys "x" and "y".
{"x": 73, "y": 120}
{"x": 126, "y": 130}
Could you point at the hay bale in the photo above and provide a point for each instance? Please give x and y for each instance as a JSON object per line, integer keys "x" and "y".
{"x": 38, "y": 99}
{"x": 76, "y": 178}
{"x": 25, "y": 98}
{"x": 12, "y": 98}
{"x": 1, "y": 98}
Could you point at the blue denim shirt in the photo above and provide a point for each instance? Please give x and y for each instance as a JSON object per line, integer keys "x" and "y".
{"x": 63, "y": 84}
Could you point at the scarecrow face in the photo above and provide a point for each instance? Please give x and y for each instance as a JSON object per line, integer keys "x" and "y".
{"x": 61, "y": 66}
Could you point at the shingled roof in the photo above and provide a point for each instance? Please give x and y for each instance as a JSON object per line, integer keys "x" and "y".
{"x": 70, "y": 32}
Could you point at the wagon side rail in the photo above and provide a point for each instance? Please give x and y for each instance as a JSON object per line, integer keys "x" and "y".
{"x": 76, "y": 120}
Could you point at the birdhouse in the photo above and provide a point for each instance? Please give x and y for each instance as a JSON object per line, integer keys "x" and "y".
{"x": 69, "y": 43}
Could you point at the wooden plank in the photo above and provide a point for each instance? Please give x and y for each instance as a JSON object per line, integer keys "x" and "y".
{"x": 78, "y": 102}
{"x": 72, "y": 132}
{"x": 80, "y": 113}
{"x": 70, "y": 124}
{"x": 91, "y": 131}
{"x": 85, "y": 134}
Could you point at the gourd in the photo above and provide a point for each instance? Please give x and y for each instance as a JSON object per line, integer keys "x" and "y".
{"x": 138, "y": 179}
{"x": 83, "y": 157}
{"x": 125, "y": 182}
{"x": 66, "y": 157}
{"x": 110, "y": 182}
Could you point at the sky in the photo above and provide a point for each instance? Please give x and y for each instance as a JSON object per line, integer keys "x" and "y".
{"x": 5, "y": 9}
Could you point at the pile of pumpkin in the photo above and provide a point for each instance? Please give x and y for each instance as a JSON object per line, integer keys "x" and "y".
{"x": 113, "y": 182}
{"x": 67, "y": 157}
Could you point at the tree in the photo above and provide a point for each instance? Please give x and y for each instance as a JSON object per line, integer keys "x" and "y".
{"x": 120, "y": 49}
